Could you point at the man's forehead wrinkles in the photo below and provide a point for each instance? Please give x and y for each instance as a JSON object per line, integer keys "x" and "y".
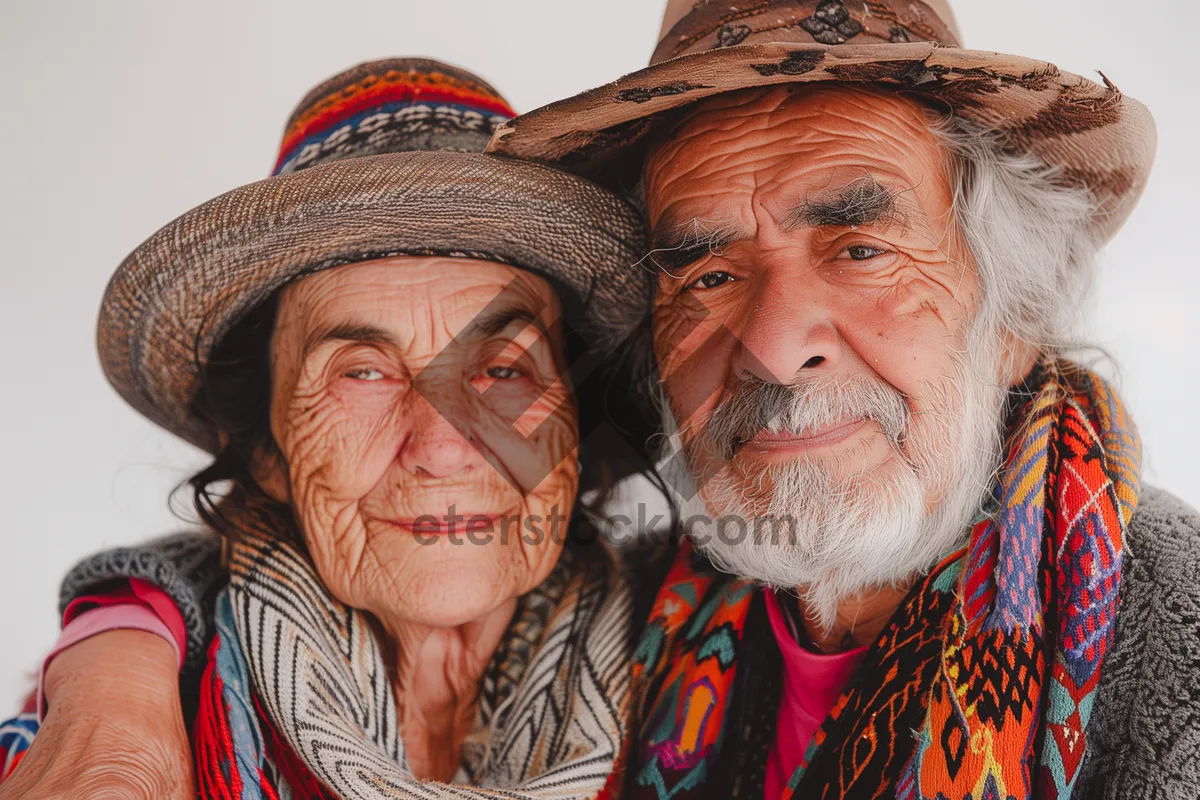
{"x": 684, "y": 204}
{"x": 708, "y": 155}
{"x": 786, "y": 167}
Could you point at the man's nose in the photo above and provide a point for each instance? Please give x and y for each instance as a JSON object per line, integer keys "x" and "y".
{"x": 435, "y": 447}
{"x": 788, "y": 333}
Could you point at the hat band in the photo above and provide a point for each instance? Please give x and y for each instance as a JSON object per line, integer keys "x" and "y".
{"x": 389, "y": 107}
{"x": 394, "y": 128}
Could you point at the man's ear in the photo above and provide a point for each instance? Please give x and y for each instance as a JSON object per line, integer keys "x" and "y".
{"x": 270, "y": 472}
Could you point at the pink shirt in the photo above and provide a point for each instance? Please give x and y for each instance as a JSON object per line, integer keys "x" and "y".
{"x": 812, "y": 683}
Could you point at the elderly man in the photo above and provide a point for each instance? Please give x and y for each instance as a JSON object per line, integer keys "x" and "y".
{"x": 872, "y": 250}
{"x": 872, "y": 246}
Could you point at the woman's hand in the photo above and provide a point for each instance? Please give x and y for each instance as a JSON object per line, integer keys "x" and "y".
{"x": 114, "y": 726}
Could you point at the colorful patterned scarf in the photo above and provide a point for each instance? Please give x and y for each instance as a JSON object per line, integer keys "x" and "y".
{"x": 982, "y": 684}
{"x": 296, "y": 700}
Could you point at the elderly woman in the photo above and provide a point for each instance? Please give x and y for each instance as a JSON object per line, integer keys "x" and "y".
{"x": 374, "y": 343}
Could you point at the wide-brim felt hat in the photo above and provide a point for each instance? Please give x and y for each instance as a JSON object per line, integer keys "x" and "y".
{"x": 1095, "y": 136}
{"x": 381, "y": 160}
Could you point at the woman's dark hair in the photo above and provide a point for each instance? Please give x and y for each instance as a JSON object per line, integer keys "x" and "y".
{"x": 235, "y": 401}
{"x": 616, "y": 420}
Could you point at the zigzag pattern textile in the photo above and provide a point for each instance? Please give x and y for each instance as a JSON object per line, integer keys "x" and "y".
{"x": 982, "y": 683}
{"x": 296, "y": 700}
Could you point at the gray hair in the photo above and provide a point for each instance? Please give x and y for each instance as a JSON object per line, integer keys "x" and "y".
{"x": 1029, "y": 233}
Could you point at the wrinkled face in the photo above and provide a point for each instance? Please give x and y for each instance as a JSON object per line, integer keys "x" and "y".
{"x": 813, "y": 317}
{"x": 427, "y": 436}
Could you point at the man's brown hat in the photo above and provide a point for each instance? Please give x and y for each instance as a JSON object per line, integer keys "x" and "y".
{"x": 1098, "y": 138}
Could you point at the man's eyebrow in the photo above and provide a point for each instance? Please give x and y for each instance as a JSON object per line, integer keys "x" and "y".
{"x": 349, "y": 332}
{"x": 865, "y": 201}
{"x": 677, "y": 245}
{"x": 495, "y": 320}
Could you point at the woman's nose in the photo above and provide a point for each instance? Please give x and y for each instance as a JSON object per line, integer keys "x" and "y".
{"x": 435, "y": 447}
{"x": 788, "y": 334}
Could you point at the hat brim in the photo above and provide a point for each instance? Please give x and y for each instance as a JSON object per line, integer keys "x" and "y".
{"x": 172, "y": 299}
{"x": 1099, "y": 138}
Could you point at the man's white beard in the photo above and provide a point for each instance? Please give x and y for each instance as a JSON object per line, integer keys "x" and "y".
{"x": 846, "y": 536}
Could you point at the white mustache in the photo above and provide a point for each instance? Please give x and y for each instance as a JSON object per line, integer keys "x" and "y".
{"x": 800, "y": 408}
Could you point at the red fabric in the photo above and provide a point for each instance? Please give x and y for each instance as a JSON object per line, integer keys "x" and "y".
{"x": 217, "y": 772}
{"x": 812, "y": 683}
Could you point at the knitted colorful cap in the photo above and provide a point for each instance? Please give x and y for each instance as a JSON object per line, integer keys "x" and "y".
{"x": 381, "y": 160}
{"x": 391, "y": 106}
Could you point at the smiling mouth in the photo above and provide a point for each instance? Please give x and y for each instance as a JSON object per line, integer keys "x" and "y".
{"x": 446, "y": 525}
{"x": 791, "y": 441}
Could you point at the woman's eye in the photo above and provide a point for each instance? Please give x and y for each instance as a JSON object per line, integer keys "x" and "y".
{"x": 365, "y": 374}
{"x": 711, "y": 280}
{"x": 862, "y": 252}
{"x": 503, "y": 373}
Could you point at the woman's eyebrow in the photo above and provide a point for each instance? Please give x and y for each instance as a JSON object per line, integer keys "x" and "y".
{"x": 492, "y": 321}
{"x": 348, "y": 332}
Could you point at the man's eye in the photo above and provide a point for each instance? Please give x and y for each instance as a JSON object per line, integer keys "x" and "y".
{"x": 862, "y": 252}
{"x": 503, "y": 373}
{"x": 711, "y": 280}
{"x": 365, "y": 374}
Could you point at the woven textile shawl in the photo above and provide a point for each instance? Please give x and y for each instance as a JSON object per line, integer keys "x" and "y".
{"x": 981, "y": 685}
{"x": 552, "y": 708}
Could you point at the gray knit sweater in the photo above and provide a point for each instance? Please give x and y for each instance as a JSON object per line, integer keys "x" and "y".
{"x": 1144, "y": 737}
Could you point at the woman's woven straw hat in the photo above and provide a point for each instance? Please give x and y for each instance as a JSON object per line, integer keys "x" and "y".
{"x": 381, "y": 160}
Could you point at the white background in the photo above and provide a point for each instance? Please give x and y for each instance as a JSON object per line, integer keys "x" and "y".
{"x": 117, "y": 116}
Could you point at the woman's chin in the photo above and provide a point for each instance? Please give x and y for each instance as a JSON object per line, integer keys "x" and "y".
{"x": 449, "y": 580}
{"x": 457, "y": 587}
{"x": 462, "y": 603}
